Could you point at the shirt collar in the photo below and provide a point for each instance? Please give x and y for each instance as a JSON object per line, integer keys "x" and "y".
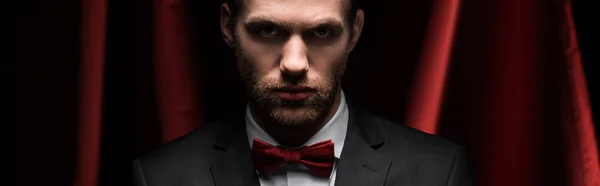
{"x": 334, "y": 130}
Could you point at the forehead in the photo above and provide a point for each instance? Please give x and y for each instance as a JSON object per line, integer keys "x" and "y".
{"x": 295, "y": 10}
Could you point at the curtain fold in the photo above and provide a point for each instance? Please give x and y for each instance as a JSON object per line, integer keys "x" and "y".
{"x": 176, "y": 79}
{"x": 500, "y": 62}
{"x": 583, "y": 164}
{"x": 428, "y": 86}
{"x": 93, "y": 32}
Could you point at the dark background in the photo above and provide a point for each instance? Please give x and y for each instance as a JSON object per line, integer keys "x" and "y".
{"x": 127, "y": 77}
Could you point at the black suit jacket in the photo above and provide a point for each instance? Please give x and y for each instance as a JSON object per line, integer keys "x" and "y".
{"x": 376, "y": 152}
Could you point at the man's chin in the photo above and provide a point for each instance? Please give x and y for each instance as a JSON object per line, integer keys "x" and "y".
{"x": 294, "y": 116}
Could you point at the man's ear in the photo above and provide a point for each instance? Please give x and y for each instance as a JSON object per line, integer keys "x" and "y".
{"x": 226, "y": 31}
{"x": 356, "y": 29}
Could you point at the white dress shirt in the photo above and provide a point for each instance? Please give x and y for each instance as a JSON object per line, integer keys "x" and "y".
{"x": 295, "y": 174}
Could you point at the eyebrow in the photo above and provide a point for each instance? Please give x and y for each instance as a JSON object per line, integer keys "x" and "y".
{"x": 264, "y": 20}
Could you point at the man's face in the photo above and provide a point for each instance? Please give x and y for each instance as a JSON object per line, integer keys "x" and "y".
{"x": 291, "y": 55}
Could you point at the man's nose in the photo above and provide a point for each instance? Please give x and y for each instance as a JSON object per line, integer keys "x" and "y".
{"x": 294, "y": 60}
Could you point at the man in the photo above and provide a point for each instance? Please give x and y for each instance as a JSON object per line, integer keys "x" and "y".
{"x": 299, "y": 128}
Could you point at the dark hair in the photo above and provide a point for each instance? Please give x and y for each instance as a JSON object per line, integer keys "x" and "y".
{"x": 236, "y": 5}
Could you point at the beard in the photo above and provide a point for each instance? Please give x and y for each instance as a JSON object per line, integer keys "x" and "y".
{"x": 268, "y": 106}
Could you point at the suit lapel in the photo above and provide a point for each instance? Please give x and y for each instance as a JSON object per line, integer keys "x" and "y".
{"x": 360, "y": 163}
{"x": 234, "y": 166}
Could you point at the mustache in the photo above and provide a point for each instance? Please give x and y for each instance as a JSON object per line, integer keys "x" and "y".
{"x": 274, "y": 85}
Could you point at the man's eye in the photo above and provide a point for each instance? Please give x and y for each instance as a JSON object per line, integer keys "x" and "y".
{"x": 268, "y": 31}
{"x": 322, "y": 32}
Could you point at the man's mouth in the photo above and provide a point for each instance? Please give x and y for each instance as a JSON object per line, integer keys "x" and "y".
{"x": 294, "y": 93}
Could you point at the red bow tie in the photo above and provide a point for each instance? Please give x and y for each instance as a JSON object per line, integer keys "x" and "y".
{"x": 318, "y": 158}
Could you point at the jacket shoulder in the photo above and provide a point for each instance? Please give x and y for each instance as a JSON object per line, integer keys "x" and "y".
{"x": 420, "y": 158}
{"x": 190, "y": 153}
{"x": 423, "y": 158}
{"x": 414, "y": 140}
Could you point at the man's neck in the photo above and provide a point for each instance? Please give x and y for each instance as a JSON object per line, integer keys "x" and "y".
{"x": 297, "y": 136}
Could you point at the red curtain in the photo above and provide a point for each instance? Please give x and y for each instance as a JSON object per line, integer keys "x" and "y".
{"x": 101, "y": 82}
{"x": 93, "y": 24}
